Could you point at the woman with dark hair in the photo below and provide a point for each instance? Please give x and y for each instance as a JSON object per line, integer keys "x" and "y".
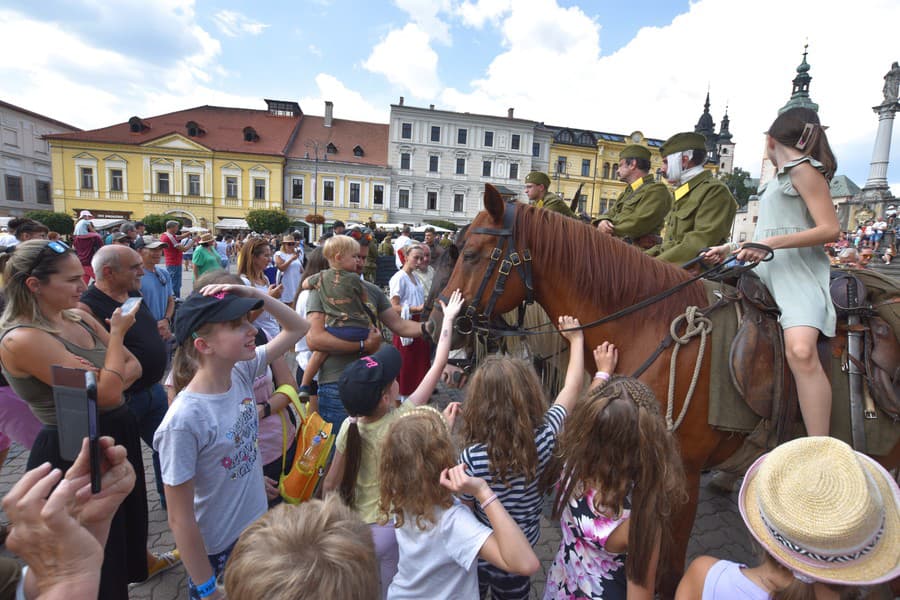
{"x": 796, "y": 218}
{"x": 28, "y": 229}
{"x": 41, "y": 327}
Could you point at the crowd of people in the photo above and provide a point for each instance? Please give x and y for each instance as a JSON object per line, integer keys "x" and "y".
{"x": 415, "y": 503}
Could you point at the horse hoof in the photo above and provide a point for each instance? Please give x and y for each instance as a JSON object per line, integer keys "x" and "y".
{"x": 723, "y": 483}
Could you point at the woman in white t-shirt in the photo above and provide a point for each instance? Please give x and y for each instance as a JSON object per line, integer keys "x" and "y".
{"x": 254, "y": 259}
{"x": 406, "y": 293}
{"x": 289, "y": 262}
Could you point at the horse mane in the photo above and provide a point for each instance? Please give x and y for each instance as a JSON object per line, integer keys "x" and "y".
{"x": 606, "y": 267}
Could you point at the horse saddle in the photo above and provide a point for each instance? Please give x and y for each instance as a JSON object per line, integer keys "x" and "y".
{"x": 757, "y": 362}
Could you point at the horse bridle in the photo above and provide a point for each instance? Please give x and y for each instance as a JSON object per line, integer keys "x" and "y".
{"x": 504, "y": 257}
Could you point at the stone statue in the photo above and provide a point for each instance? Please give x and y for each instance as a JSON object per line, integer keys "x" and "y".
{"x": 892, "y": 83}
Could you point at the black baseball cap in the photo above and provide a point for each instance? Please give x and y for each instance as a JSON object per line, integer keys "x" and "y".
{"x": 363, "y": 380}
{"x": 198, "y": 310}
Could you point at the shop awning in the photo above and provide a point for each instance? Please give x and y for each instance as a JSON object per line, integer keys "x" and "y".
{"x": 232, "y": 224}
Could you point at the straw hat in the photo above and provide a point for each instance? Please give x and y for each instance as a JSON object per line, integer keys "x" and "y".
{"x": 207, "y": 238}
{"x": 825, "y": 512}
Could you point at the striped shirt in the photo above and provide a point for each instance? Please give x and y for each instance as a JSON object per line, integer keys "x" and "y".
{"x": 521, "y": 498}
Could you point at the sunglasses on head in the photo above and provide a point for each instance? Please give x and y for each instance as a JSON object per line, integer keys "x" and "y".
{"x": 55, "y": 246}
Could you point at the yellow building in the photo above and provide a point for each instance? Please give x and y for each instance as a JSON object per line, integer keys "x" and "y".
{"x": 199, "y": 165}
{"x": 589, "y": 159}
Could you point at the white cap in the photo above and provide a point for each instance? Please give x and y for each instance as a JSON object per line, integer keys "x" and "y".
{"x": 85, "y": 213}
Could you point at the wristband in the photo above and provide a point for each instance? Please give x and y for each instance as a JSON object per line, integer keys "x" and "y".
{"x": 362, "y": 346}
{"x": 487, "y": 503}
{"x": 601, "y": 375}
{"x": 207, "y": 588}
{"x": 289, "y": 391}
{"x": 267, "y": 410}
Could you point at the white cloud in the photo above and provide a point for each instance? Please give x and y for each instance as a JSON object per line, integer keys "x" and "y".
{"x": 407, "y": 59}
{"x": 233, "y": 24}
{"x": 315, "y": 50}
{"x": 348, "y": 104}
{"x": 476, "y": 14}
{"x": 551, "y": 68}
{"x": 425, "y": 14}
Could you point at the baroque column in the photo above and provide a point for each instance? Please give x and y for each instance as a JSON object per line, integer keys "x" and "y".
{"x": 876, "y": 191}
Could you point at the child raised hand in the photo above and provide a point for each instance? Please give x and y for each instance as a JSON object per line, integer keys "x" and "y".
{"x": 606, "y": 357}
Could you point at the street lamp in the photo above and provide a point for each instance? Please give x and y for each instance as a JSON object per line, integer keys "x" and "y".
{"x": 314, "y": 145}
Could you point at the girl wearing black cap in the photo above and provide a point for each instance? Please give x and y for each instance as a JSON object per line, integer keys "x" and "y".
{"x": 369, "y": 392}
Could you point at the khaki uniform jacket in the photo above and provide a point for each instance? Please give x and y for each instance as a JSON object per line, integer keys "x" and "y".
{"x": 641, "y": 209}
{"x": 551, "y": 201}
{"x": 702, "y": 214}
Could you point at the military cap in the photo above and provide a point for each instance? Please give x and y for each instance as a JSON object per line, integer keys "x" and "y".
{"x": 635, "y": 151}
{"x": 538, "y": 178}
{"x": 681, "y": 142}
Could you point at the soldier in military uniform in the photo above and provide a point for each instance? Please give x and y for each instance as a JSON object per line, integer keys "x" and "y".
{"x": 638, "y": 213}
{"x": 703, "y": 208}
{"x": 537, "y": 185}
{"x": 364, "y": 236}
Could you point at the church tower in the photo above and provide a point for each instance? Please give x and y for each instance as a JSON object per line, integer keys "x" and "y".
{"x": 725, "y": 146}
{"x": 707, "y": 128}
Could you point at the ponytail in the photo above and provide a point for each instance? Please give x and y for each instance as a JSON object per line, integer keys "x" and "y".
{"x": 800, "y": 128}
{"x": 353, "y": 455}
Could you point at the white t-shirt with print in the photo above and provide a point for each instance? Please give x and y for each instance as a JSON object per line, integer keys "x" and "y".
{"x": 213, "y": 439}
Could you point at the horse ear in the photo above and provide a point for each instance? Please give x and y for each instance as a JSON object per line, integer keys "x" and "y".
{"x": 493, "y": 202}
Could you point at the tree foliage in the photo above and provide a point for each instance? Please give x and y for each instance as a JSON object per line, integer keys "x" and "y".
{"x": 740, "y": 184}
{"x": 59, "y": 222}
{"x": 273, "y": 221}
{"x": 440, "y": 223}
{"x": 155, "y": 223}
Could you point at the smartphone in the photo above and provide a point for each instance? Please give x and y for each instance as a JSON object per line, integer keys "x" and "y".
{"x": 131, "y": 305}
{"x": 90, "y": 386}
{"x": 72, "y": 420}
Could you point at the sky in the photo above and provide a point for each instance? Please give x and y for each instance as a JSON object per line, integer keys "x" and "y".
{"x": 598, "y": 65}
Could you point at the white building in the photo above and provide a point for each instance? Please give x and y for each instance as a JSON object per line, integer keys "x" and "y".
{"x": 25, "y": 159}
{"x": 440, "y": 160}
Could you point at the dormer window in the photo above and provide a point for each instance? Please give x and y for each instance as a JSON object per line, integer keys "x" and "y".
{"x": 358, "y": 151}
{"x": 193, "y": 130}
{"x": 136, "y": 125}
{"x": 564, "y": 137}
{"x": 586, "y": 139}
{"x": 331, "y": 148}
{"x": 250, "y": 135}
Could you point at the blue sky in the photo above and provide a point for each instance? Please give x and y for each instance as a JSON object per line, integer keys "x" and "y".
{"x": 599, "y": 65}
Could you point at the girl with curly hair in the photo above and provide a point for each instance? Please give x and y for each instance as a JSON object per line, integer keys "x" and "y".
{"x": 438, "y": 537}
{"x": 509, "y": 436}
{"x": 619, "y": 480}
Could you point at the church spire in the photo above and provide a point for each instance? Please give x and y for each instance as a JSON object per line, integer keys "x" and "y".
{"x": 724, "y": 133}
{"x": 800, "y": 93}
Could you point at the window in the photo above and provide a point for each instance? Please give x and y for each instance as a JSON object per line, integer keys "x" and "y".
{"x": 296, "y": 188}
{"x": 194, "y": 184}
{"x": 606, "y": 170}
{"x": 458, "y": 203}
{"x": 259, "y": 188}
{"x": 162, "y": 183}
{"x": 560, "y": 164}
{"x": 535, "y": 149}
{"x": 87, "y": 178}
{"x": 378, "y": 194}
{"x": 403, "y": 199}
{"x": 406, "y": 131}
{"x": 486, "y": 168}
{"x": 354, "y": 193}
{"x": 743, "y": 237}
{"x": 43, "y": 191}
{"x": 565, "y": 137}
{"x": 358, "y": 151}
{"x": 516, "y": 141}
{"x": 582, "y": 203}
{"x": 433, "y": 164}
{"x": 231, "y": 187}
{"x": 585, "y": 167}
{"x": 462, "y": 135}
{"x": 435, "y": 133}
{"x": 115, "y": 180}
{"x": 404, "y": 160}
{"x": 13, "y": 188}
{"x": 330, "y": 148}
{"x": 432, "y": 201}
{"x": 460, "y": 166}
{"x": 328, "y": 191}
{"x": 488, "y": 138}
{"x": 604, "y": 206}
{"x": 513, "y": 170}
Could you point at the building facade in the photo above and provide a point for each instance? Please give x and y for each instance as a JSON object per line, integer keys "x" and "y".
{"x": 25, "y": 167}
{"x": 198, "y": 165}
{"x": 338, "y": 169}
{"x": 440, "y": 161}
{"x": 587, "y": 160}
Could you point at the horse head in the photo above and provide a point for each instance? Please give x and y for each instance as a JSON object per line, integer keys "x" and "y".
{"x": 487, "y": 267}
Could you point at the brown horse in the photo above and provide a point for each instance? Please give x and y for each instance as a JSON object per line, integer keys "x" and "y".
{"x": 578, "y": 271}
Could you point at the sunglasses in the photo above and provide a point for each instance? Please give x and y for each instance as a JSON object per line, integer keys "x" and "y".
{"x": 55, "y": 246}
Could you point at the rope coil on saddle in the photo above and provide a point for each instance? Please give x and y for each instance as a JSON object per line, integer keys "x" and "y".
{"x": 694, "y": 324}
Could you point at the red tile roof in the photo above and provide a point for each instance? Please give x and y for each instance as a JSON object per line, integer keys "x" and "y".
{"x": 223, "y": 130}
{"x": 345, "y": 135}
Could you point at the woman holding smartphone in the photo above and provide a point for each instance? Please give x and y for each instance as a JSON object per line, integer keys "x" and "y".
{"x": 40, "y": 328}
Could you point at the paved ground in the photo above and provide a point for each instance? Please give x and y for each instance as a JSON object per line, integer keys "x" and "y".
{"x": 718, "y": 529}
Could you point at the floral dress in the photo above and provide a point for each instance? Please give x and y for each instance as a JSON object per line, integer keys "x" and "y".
{"x": 583, "y": 568}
